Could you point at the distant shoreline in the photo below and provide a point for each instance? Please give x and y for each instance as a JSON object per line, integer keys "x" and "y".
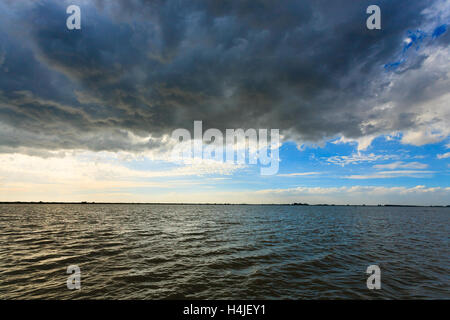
{"x": 225, "y": 204}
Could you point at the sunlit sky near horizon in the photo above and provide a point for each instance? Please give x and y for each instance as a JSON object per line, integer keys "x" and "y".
{"x": 87, "y": 115}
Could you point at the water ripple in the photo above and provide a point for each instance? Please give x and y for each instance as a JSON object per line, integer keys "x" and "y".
{"x": 222, "y": 252}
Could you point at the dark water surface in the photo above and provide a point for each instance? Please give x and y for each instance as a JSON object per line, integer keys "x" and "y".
{"x": 223, "y": 252}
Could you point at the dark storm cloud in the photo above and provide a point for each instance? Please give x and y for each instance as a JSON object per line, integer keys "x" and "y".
{"x": 306, "y": 67}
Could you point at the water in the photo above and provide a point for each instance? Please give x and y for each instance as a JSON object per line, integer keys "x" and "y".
{"x": 222, "y": 252}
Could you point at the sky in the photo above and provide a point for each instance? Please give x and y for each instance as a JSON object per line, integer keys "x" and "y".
{"x": 88, "y": 115}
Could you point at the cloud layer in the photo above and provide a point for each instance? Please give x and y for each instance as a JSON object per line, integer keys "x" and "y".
{"x": 139, "y": 69}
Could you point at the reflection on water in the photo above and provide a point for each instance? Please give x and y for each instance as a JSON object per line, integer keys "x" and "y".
{"x": 222, "y": 252}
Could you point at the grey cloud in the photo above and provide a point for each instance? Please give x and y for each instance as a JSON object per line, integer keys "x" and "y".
{"x": 148, "y": 67}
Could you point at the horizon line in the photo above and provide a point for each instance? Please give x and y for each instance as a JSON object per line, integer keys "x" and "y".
{"x": 224, "y": 203}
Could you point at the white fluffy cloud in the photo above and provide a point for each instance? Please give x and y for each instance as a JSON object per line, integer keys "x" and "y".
{"x": 373, "y": 195}
{"x": 401, "y": 165}
{"x": 444, "y": 155}
{"x": 26, "y": 177}
{"x": 392, "y": 174}
{"x": 359, "y": 158}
